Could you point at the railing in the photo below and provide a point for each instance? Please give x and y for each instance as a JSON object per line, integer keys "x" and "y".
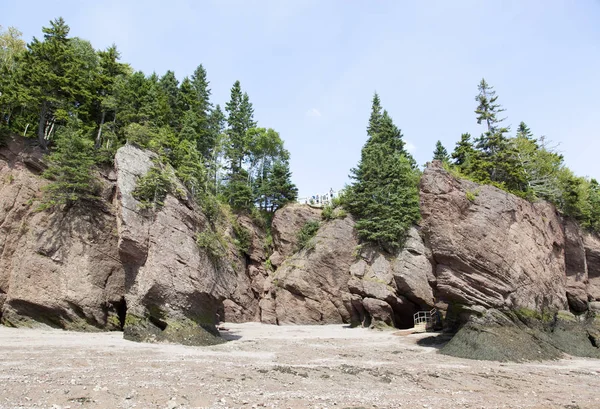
{"x": 319, "y": 200}
{"x": 426, "y": 319}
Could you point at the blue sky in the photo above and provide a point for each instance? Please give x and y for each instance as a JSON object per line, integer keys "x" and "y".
{"x": 311, "y": 67}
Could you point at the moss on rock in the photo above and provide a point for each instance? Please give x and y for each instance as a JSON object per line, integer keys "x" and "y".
{"x": 183, "y": 331}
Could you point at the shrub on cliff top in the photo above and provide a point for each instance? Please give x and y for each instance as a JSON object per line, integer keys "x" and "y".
{"x": 305, "y": 235}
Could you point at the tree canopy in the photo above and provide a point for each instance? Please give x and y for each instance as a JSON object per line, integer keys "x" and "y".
{"x": 82, "y": 104}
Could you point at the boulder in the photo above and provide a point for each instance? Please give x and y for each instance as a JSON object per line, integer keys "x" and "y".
{"x": 413, "y": 271}
{"x": 379, "y": 311}
{"x": 492, "y": 248}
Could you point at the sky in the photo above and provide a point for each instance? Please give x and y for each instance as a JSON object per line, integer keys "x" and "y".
{"x": 311, "y": 67}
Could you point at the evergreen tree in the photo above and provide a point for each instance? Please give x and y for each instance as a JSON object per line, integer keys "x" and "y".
{"x": 497, "y": 153}
{"x": 376, "y": 116}
{"x": 240, "y": 119}
{"x": 71, "y": 167}
{"x": 440, "y": 153}
{"x": 110, "y": 71}
{"x": 238, "y": 192}
{"x": 463, "y": 151}
{"x": 155, "y": 109}
{"x": 57, "y": 77}
{"x": 214, "y": 148}
{"x": 280, "y": 190}
{"x": 574, "y": 200}
{"x": 384, "y": 197}
{"x": 523, "y": 131}
{"x": 594, "y": 205}
{"x": 169, "y": 87}
{"x": 11, "y": 49}
{"x": 200, "y": 85}
{"x": 190, "y": 168}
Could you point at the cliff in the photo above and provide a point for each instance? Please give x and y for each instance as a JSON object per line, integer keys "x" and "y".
{"x": 498, "y": 267}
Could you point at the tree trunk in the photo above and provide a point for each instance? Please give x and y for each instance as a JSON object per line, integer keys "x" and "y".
{"x": 41, "y": 126}
{"x": 99, "y": 136}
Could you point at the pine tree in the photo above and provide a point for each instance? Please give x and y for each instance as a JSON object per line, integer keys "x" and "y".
{"x": 498, "y": 156}
{"x": 440, "y": 153}
{"x": 384, "y": 197}
{"x": 70, "y": 168}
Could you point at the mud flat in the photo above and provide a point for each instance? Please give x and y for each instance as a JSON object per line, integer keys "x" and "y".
{"x": 277, "y": 367}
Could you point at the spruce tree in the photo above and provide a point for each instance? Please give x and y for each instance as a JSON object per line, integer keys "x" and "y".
{"x": 498, "y": 155}
{"x": 169, "y": 87}
{"x": 280, "y": 189}
{"x": 71, "y": 167}
{"x": 376, "y": 116}
{"x": 46, "y": 73}
{"x": 12, "y": 48}
{"x": 384, "y": 196}
{"x": 523, "y": 131}
{"x": 440, "y": 153}
{"x": 463, "y": 151}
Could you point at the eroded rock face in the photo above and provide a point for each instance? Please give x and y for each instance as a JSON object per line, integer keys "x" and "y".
{"x": 311, "y": 287}
{"x": 413, "y": 271}
{"x": 591, "y": 243}
{"x": 575, "y": 267}
{"x": 492, "y": 248}
{"x": 286, "y": 224}
{"x": 59, "y": 268}
{"x": 174, "y": 288}
{"x": 338, "y": 281}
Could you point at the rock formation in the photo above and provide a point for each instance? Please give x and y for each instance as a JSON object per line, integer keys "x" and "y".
{"x": 498, "y": 267}
{"x": 173, "y": 288}
{"x": 60, "y": 268}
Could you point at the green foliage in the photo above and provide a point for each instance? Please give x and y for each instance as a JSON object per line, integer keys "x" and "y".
{"x": 384, "y": 197}
{"x": 327, "y": 213}
{"x": 471, "y": 195}
{"x": 152, "y": 188}
{"x": 440, "y": 153}
{"x": 71, "y": 169}
{"x": 243, "y": 238}
{"x": 331, "y": 213}
{"x": 306, "y": 234}
{"x": 523, "y": 165}
{"x": 213, "y": 243}
{"x": 594, "y": 202}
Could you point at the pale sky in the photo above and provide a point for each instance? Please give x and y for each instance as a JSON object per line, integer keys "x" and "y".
{"x": 311, "y": 66}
